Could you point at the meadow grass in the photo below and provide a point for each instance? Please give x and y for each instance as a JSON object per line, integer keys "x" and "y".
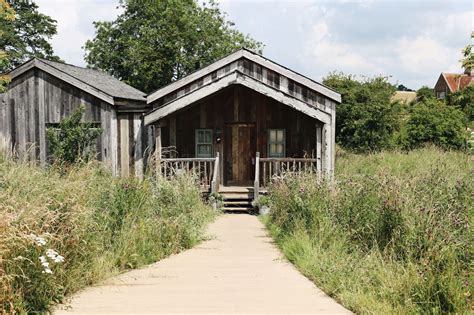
{"x": 63, "y": 230}
{"x": 391, "y": 235}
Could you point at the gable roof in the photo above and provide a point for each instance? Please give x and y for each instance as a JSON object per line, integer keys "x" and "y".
{"x": 92, "y": 81}
{"x": 253, "y": 71}
{"x": 456, "y": 81}
{"x": 254, "y": 57}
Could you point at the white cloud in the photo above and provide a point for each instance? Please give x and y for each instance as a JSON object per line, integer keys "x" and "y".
{"x": 325, "y": 51}
{"x": 420, "y": 54}
{"x": 412, "y": 40}
{"x": 75, "y": 24}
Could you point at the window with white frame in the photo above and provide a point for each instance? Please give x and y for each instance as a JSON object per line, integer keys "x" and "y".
{"x": 276, "y": 142}
{"x": 204, "y": 143}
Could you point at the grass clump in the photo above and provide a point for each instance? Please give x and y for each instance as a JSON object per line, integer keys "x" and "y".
{"x": 392, "y": 234}
{"x": 61, "y": 231}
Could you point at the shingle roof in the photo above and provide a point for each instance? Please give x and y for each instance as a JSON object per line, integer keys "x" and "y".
{"x": 99, "y": 80}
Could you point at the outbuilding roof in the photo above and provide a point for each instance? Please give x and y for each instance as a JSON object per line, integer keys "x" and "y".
{"x": 96, "y": 82}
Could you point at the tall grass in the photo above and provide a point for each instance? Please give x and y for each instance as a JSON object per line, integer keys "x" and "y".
{"x": 392, "y": 235}
{"x": 100, "y": 225}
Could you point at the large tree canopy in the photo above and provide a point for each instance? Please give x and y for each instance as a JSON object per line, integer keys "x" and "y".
{"x": 155, "y": 42}
{"x": 26, "y": 35}
{"x": 7, "y": 15}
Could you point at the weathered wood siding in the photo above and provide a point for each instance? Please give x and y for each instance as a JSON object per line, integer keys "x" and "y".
{"x": 238, "y": 104}
{"x": 36, "y": 99}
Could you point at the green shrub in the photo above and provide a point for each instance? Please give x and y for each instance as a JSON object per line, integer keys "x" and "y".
{"x": 100, "y": 225}
{"x": 391, "y": 235}
{"x": 72, "y": 140}
{"x": 434, "y": 122}
{"x": 366, "y": 118}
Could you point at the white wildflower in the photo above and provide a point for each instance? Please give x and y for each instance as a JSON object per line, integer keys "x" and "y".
{"x": 42, "y": 259}
{"x": 40, "y": 241}
{"x": 51, "y": 253}
{"x": 58, "y": 259}
{"x": 47, "y": 270}
{"x": 54, "y": 256}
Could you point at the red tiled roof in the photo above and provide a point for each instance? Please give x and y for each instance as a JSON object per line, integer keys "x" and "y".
{"x": 458, "y": 81}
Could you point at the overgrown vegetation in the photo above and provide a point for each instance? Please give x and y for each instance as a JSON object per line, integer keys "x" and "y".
{"x": 392, "y": 235}
{"x": 72, "y": 140}
{"x": 369, "y": 121}
{"x": 61, "y": 231}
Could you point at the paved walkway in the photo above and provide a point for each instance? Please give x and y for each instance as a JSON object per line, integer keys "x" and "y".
{"x": 239, "y": 271}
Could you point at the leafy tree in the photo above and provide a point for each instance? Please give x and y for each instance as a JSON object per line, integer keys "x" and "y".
{"x": 7, "y": 15}
{"x": 366, "y": 118}
{"x": 424, "y": 94}
{"x": 434, "y": 122}
{"x": 463, "y": 100}
{"x": 468, "y": 56}
{"x": 155, "y": 42}
{"x": 71, "y": 141}
{"x": 26, "y": 35}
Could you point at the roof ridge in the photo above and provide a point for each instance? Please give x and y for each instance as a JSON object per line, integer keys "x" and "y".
{"x": 88, "y": 69}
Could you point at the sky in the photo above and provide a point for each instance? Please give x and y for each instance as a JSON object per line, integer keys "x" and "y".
{"x": 410, "y": 41}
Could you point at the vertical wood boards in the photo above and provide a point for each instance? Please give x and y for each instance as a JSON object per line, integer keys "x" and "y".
{"x": 124, "y": 145}
{"x": 36, "y": 100}
{"x": 114, "y": 141}
{"x": 318, "y": 147}
{"x": 223, "y": 112}
{"x": 138, "y": 151}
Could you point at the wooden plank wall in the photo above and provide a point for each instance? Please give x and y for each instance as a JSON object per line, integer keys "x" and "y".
{"x": 36, "y": 99}
{"x": 214, "y": 112}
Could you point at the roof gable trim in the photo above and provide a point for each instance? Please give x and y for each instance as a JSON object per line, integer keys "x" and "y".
{"x": 36, "y": 63}
{"x": 243, "y": 53}
{"x": 242, "y": 79}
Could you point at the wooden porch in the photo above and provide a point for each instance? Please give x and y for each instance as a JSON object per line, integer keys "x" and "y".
{"x": 207, "y": 173}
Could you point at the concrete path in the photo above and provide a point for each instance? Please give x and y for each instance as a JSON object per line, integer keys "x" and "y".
{"x": 239, "y": 271}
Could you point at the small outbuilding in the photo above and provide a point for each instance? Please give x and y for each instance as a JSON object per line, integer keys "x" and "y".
{"x": 42, "y": 93}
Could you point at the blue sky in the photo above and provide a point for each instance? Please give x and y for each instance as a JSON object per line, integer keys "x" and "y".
{"x": 410, "y": 41}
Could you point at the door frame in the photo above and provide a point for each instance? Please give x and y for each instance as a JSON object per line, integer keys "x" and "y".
{"x": 228, "y": 145}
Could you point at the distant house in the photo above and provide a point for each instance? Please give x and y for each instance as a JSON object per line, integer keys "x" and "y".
{"x": 453, "y": 82}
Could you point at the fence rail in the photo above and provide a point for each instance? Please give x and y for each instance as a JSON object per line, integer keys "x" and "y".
{"x": 202, "y": 168}
{"x": 270, "y": 167}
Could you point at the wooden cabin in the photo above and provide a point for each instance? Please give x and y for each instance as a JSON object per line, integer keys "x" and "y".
{"x": 236, "y": 123}
{"x": 43, "y": 92}
{"x": 241, "y": 121}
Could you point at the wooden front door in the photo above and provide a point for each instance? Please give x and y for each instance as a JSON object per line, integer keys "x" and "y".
{"x": 239, "y": 154}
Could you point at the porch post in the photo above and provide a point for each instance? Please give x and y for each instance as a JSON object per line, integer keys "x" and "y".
{"x": 318, "y": 148}
{"x": 327, "y": 158}
{"x": 158, "y": 150}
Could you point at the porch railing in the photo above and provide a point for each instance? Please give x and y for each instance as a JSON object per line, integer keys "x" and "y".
{"x": 203, "y": 168}
{"x": 267, "y": 168}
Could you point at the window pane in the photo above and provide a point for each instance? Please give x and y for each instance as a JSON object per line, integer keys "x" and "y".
{"x": 279, "y": 149}
{"x": 208, "y": 138}
{"x": 279, "y": 136}
{"x": 200, "y": 138}
{"x": 272, "y": 136}
{"x": 272, "y": 149}
{"x": 204, "y": 150}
